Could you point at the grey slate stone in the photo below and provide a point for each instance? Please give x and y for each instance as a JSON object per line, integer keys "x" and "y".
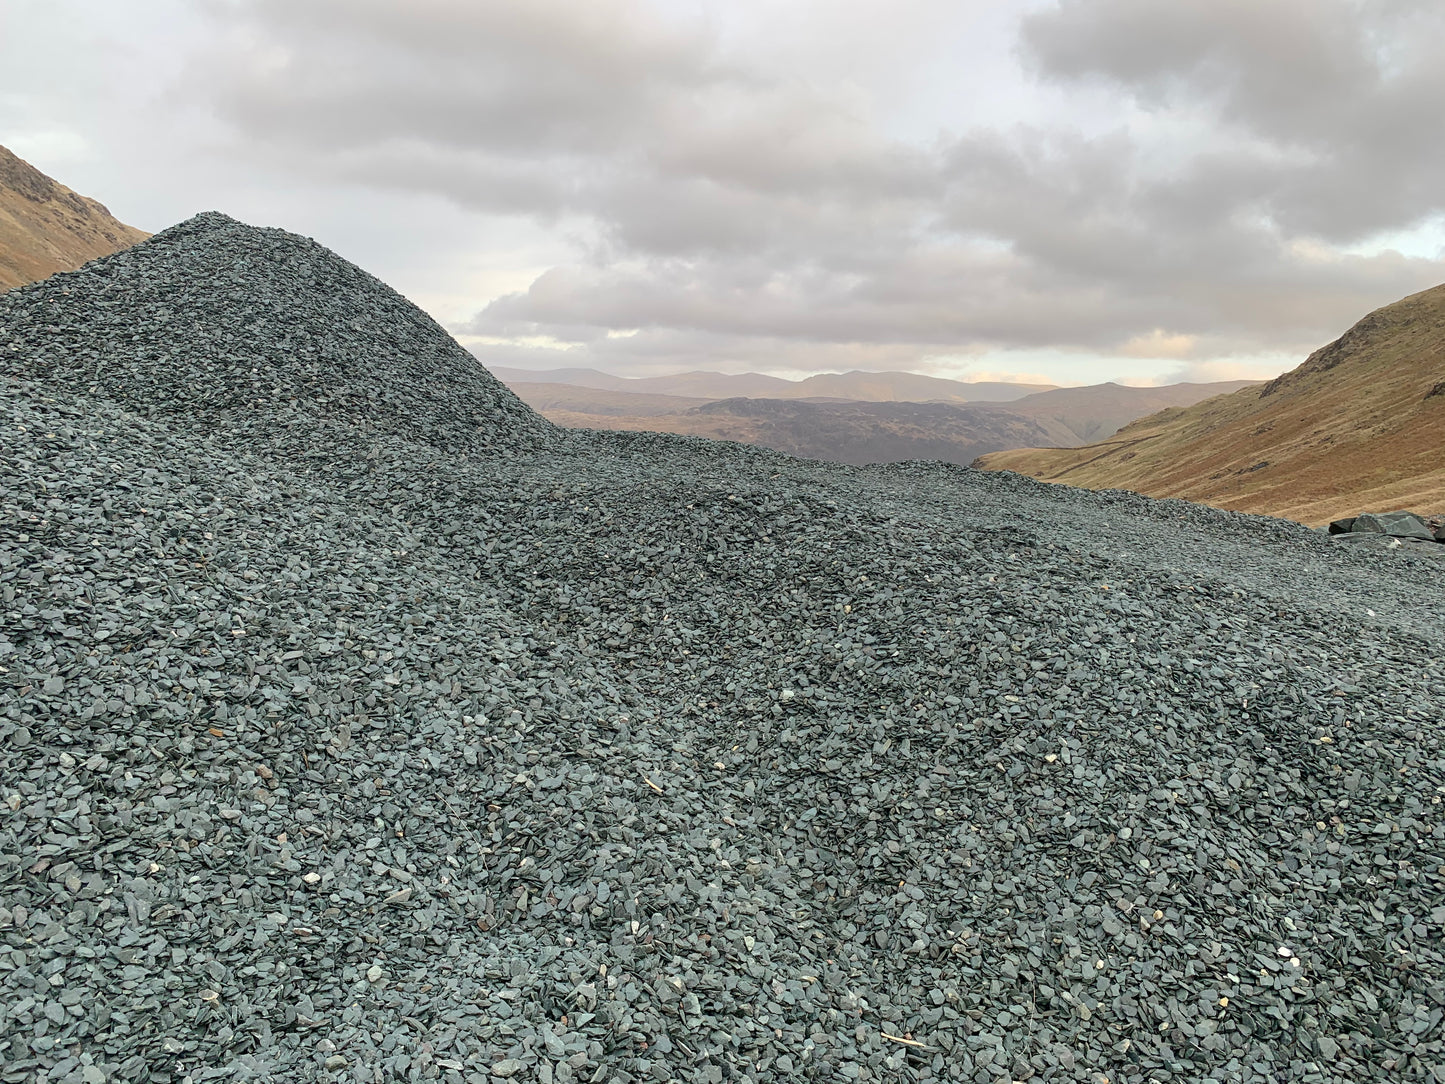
{"x": 1394, "y": 524}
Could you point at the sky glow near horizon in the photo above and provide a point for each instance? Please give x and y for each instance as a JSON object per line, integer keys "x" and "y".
{"x": 1065, "y": 190}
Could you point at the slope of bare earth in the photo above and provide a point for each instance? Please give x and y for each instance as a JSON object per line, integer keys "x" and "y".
{"x": 1359, "y": 426}
{"x": 864, "y": 387}
{"x": 45, "y": 227}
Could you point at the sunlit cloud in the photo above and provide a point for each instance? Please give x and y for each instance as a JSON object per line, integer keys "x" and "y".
{"x": 1159, "y": 344}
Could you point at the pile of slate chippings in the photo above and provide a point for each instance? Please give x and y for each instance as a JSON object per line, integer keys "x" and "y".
{"x": 389, "y": 734}
{"x": 213, "y": 319}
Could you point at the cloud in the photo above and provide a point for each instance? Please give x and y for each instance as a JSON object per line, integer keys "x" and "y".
{"x": 1159, "y": 344}
{"x": 1326, "y": 100}
{"x": 733, "y": 195}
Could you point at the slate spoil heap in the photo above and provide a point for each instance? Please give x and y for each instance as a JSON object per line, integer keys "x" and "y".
{"x": 356, "y": 725}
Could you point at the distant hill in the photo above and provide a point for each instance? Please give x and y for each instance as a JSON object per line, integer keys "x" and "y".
{"x": 838, "y": 431}
{"x": 1360, "y": 425}
{"x": 550, "y": 398}
{"x": 1098, "y": 410}
{"x": 858, "y": 386}
{"x": 45, "y": 227}
{"x": 859, "y": 433}
{"x": 850, "y": 431}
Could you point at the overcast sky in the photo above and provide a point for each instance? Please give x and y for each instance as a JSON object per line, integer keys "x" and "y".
{"x": 1077, "y": 190}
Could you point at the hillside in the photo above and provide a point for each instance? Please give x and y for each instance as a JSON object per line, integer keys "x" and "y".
{"x": 1360, "y": 425}
{"x": 848, "y": 431}
{"x": 45, "y": 227}
{"x": 357, "y": 724}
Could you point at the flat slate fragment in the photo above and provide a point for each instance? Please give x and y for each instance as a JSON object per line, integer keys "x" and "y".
{"x": 358, "y": 725}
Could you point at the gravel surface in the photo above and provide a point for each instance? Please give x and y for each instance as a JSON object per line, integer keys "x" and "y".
{"x": 357, "y": 725}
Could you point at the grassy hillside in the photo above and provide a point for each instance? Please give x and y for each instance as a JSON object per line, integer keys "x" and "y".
{"x": 45, "y": 227}
{"x": 1359, "y": 426}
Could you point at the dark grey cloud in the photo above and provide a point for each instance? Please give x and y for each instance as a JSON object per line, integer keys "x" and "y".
{"x": 1333, "y": 104}
{"x": 726, "y": 207}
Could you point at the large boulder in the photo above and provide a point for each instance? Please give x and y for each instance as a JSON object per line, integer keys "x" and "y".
{"x": 1394, "y": 524}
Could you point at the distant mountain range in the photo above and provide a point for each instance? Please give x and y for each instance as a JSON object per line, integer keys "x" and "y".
{"x": 1359, "y": 426}
{"x": 45, "y": 227}
{"x": 856, "y": 430}
{"x": 857, "y": 386}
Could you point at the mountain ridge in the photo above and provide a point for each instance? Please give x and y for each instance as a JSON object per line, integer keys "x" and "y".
{"x": 45, "y": 227}
{"x": 858, "y": 385}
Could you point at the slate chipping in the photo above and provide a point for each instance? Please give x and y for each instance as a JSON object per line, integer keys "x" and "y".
{"x": 363, "y": 737}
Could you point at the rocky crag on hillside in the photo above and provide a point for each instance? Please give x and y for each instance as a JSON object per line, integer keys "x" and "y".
{"x": 358, "y": 725}
{"x": 45, "y": 227}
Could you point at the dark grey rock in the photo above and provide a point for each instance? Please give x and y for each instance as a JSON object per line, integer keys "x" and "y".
{"x": 1394, "y": 524}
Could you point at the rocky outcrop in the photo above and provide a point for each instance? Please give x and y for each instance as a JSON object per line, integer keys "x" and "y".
{"x": 1392, "y": 528}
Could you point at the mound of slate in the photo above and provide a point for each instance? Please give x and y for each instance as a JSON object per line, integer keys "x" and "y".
{"x": 390, "y": 734}
{"x": 213, "y": 318}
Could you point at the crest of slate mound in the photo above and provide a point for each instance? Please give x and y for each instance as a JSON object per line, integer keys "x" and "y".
{"x": 215, "y": 320}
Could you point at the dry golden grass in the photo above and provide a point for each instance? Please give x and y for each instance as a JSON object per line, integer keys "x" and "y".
{"x": 45, "y": 227}
{"x": 1360, "y": 426}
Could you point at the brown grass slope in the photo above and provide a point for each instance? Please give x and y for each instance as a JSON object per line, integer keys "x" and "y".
{"x": 45, "y": 227}
{"x": 1359, "y": 426}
